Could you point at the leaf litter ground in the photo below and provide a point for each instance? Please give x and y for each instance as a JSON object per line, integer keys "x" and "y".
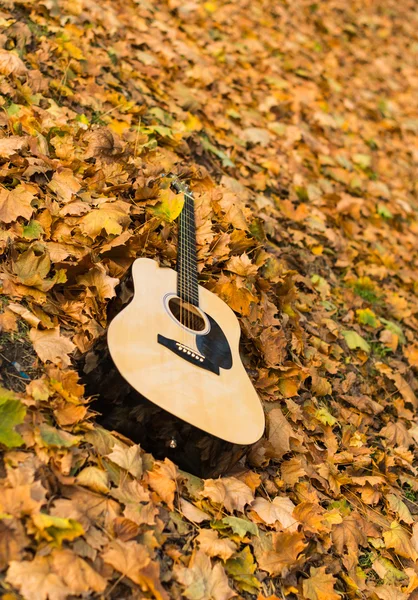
{"x": 296, "y": 124}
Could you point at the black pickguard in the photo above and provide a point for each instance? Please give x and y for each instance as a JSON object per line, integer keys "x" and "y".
{"x": 213, "y": 347}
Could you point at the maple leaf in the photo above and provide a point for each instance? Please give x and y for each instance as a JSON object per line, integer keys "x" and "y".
{"x": 76, "y": 573}
{"x": 22, "y": 499}
{"x": 64, "y": 184}
{"x": 36, "y": 580}
{"x": 94, "y": 478}
{"x": 98, "y": 279}
{"x": 51, "y": 346}
{"x": 284, "y": 551}
{"x": 241, "y": 568}
{"x": 280, "y": 433}
{"x": 16, "y": 202}
{"x": 202, "y": 582}
{"x": 12, "y": 413}
{"x": 320, "y": 585}
{"x": 169, "y": 206}
{"x": 13, "y": 540}
{"x": 110, "y": 217}
{"x": 192, "y": 512}
{"x": 10, "y": 145}
{"x": 280, "y": 509}
{"x": 127, "y": 557}
{"x": 399, "y": 539}
{"x": 56, "y": 529}
{"x": 242, "y": 265}
{"x": 162, "y": 479}
{"x": 230, "y": 492}
{"x": 273, "y": 343}
{"x": 212, "y": 545}
{"x": 11, "y": 64}
{"x": 349, "y": 534}
{"x": 128, "y": 458}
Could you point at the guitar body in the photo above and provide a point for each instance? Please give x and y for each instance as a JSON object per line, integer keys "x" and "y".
{"x": 185, "y": 362}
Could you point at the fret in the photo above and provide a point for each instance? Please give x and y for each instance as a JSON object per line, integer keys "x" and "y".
{"x": 187, "y": 281}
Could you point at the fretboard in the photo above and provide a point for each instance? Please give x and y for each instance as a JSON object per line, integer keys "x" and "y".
{"x": 187, "y": 285}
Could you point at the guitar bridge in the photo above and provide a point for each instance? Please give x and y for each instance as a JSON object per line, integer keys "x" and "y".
{"x": 192, "y": 356}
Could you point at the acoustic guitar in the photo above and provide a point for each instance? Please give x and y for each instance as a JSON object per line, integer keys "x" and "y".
{"x": 176, "y": 344}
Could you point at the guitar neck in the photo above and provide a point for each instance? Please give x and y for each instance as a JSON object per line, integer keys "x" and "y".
{"x": 187, "y": 282}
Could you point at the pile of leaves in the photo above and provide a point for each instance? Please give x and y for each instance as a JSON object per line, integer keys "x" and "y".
{"x": 295, "y": 124}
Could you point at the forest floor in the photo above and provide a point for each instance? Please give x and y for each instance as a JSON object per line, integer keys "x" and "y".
{"x": 295, "y": 124}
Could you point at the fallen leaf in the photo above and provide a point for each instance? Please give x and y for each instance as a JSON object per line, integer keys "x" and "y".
{"x": 229, "y": 492}
{"x": 212, "y": 545}
{"x": 51, "y": 346}
{"x": 162, "y": 479}
{"x": 16, "y": 202}
{"x": 202, "y": 581}
{"x": 320, "y": 585}
{"x": 12, "y": 413}
{"x": 129, "y": 458}
{"x": 279, "y": 509}
{"x": 399, "y": 539}
{"x": 36, "y": 579}
{"x": 11, "y": 64}
{"x": 284, "y": 552}
{"x": 127, "y": 557}
{"x": 64, "y": 184}
{"x": 99, "y": 282}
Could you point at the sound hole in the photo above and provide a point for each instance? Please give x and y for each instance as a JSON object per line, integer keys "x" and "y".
{"x": 186, "y": 314}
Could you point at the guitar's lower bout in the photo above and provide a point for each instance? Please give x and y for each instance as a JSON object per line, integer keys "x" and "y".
{"x": 199, "y": 378}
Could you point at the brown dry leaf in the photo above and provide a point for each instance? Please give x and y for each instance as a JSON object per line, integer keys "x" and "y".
{"x": 11, "y": 64}
{"x": 76, "y": 573}
{"x": 64, "y": 184}
{"x": 36, "y": 579}
{"x": 110, "y": 217}
{"x": 97, "y": 279}
{"x": 202, "y": 582}
{"x": 16, "y": 202}
{"x": 399, "y": 539}
{"x": 280, "y": 433}
{"x": 272, "y": 343}
{"x": 127, "y": 557}
{"x": 229, "y": 492}
{"x": 284, "y": 552}
{"x": 8, "y": 321}
{"x": 242, "y": 265}
{"x": 349, "y": 534}
{"x": 51, "y": 346}
{"x": 26, "y": 314}
{"x": 211, "y": 544}
{"x": 397, "y": 434}
{"x": 10, "y": 145}
{"x": 320, "y": 585}
{"x": 127, "y": 457}
{"x": 13, "y": 541}
{"x": 192, "y": 512}
{"x": 94, "y": 478}
{"x": 22, "y": 499}
{"x": 162, "y": 479}
{"x": 280, "y": 509}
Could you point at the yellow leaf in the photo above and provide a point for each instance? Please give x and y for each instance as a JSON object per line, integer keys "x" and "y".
{"x": 16, "y": 203}
{"x": 64, "y": 184}
{"x": 127, "y": 457}
{"x": 170, "y": 205}
{"x": 162, "y": 480}
{"x": 202, "y": 582}
{"x": 211, "y": 544}
{"x": 94, "y": 478}
{"x": 51, "y": 346}
{"x": 283, "y": 553}
{"x": 230, "y": 492}
{"x": 127, "y": 557}
{"x": 56, "y": 529}
{"x": 36, "y": 579}
{"x": 97, "y": 278}
{"x": 320, "y": 585}
{"x": 280, "y": 509}
{"x": 76, "y": 573}
{"x": 11, "y": 64}
{"x": 399, "y": 539}
{"x": 110, "y": 217}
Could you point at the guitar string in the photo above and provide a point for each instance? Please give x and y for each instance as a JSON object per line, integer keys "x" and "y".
{"x": 188, "y": 283}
